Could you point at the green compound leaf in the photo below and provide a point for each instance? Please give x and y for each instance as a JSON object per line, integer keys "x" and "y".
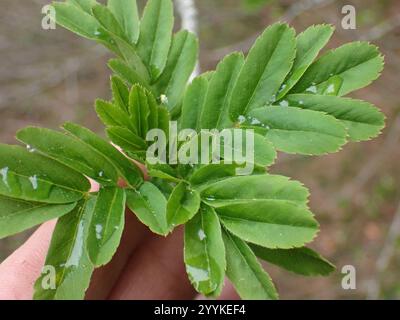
{"x": 293, "y": 130}
{"x": 182, "y": 205}
{"x": 18, "y": 215}
{"x": 266, "y": 67}
{"x": 75, "y": 19}
{"x": 163, "y": 119}
{"x": 120, "y": 93}
{"x": 215, "y": 113}
{"x": 270, "y": 223}
{"x": 126, "y": 169}
{"x": 259, "y": 151}
{"x": 33, "y": 177}
{"x": 133, "y": 61}
{"x": 205, "y": 252}
{"x": 143, "y": 111}
{"x": 231, "y": 145}
{"x": 211, "y": 173}
{"x": 180, "y": 65}
{"x": 150, "y": 206}
{"x": 308, "y": 43}
{"x": 267, "y": 211}
{"x": 112, "y": 115}
{"x": 193, "y": 103}
{"x": 245, "y": 272}
{"x": 257, "y": 187}
{"x": 85, "y": 5}
{"x": 155, "y": 35}
{"x": 71, "y": 152}
{"x": 357, "y": 64}
{"x": 106, "y": 18}
{"x": 106, "y": 225}
{"x": 163, "y": 171}
{"x": 126, "y": 12}
{"x": 303, "y": 261}
{"x": 127, "y": 140}
{"x": 362, "y": 120}
{"x": 127, "y": 73}
{"x": 67, "y": 256}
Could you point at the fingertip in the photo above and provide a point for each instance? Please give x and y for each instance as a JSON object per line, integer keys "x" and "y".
{"x": 20, "y": 270}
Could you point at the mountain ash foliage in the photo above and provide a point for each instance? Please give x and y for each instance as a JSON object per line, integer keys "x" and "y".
{"x": 284, "y": 89}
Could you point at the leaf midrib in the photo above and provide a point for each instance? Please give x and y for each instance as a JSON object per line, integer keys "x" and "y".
{"x": 247, "y": 262}
{"x": 206, "y": 250}
{"x": 347, "y": 70}
{"x": 152, "y": 211}
{"x": 64, "y": 268}
{"x": 173, "y": 73}
{"x": 47, "y": 182}
{"x": 155, "y": 38}
{"x": 245, "y": 111}
{"x": 267, "y": 223}
{"x": 21, "y": 212}
{"x": 77, "y": 27}
{"x": 108, "y": 216}
{"x": 307, "y": 131}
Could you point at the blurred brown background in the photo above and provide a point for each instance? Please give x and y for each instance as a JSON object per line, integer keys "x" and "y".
{"x": 48, "y": 77}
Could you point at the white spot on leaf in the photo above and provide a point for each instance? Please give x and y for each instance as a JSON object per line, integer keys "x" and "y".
{"x": 312, "y": 89}
{"x": 330, "y": 89}
{"x": 284, "y": 103}
{"x": 241, "y": 119}
{"x": 164, "y": 99}
{"x": 99, "y": 230}
{"x": 255, "y": 121}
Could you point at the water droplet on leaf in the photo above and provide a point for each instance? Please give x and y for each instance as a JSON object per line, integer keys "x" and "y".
{"x": 197, "y": 274}
{"x": 284, "y": 103}
{"x": 99, "y": 230}
{"x": 201, "y": 235}
{"x": 312, "y": 89}
{"x": 241, "y": 119}
{"x": 4, "y": 174}
{"x": 34, "y": 182}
